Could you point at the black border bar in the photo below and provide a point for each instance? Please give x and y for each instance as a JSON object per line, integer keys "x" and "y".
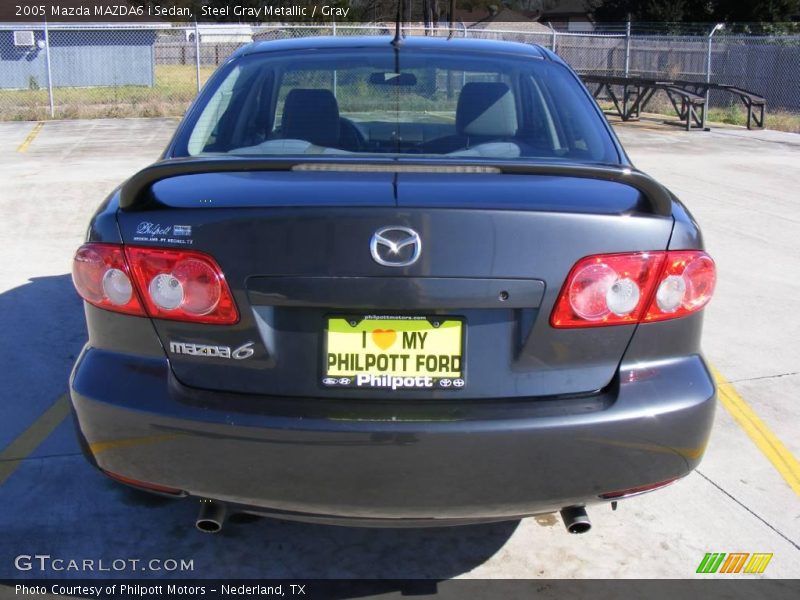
{"x": 738, "y": 588}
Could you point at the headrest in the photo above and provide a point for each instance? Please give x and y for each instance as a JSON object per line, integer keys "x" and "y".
{"x": 487, "y": 109}
{"x": 311, "y": 115}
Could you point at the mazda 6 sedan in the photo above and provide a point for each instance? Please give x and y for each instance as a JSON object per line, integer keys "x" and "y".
{"x": 393, "y": 283}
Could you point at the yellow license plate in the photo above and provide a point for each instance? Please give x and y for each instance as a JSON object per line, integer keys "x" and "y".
{"x": 394, "y": 352}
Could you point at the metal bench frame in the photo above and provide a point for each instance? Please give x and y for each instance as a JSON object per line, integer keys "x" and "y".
{"x": 688, "y": 98}
{"x": 755, "y": 104}
{"x": 637, "y": 93}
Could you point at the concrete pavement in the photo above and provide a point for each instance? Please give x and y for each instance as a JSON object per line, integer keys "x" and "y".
{"x": 741, "y": 185}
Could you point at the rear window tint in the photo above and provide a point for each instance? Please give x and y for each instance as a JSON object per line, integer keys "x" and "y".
{"x": 370, "y": 102}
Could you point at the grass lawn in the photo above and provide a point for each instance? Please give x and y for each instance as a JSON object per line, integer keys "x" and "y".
{"x": 736, "y": 114}
{"x": 175, "y": 87}
{"x": 733, "y": 114}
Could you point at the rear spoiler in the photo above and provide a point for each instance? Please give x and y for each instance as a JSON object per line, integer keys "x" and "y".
{"x": 133, "y": 194}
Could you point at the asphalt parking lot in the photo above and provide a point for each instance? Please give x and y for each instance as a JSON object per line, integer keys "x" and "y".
{"x": 741, "y": 185}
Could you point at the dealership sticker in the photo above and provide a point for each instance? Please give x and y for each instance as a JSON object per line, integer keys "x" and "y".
{"x": 163, "y": 234}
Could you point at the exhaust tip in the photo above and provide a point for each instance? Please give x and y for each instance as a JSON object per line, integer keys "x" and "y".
{"x": 579, "y": 527}
{"x": 211, "y": 516}
{"x": 575, "y": 519}
{"x": 208, "y": 526}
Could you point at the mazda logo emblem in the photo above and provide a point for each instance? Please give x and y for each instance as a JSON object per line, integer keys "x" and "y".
{"x": 395, "y": 246}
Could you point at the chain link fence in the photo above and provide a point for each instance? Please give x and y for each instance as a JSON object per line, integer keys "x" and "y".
{"x": 90, "y": 71}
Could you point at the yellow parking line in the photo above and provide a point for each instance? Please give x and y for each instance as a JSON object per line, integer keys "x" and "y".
{"x": 18, "y": 450}
{"x": 98, "y": 447}
{"x": 23, "y": 147}
{"x": 766, "y": 441}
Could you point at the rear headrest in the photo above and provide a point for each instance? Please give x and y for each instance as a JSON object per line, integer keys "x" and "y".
{"x": 311, "y": 115}
{"x": 486, "y": 108}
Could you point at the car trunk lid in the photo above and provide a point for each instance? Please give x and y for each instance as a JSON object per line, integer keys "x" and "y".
{"x": 295, "y": 250}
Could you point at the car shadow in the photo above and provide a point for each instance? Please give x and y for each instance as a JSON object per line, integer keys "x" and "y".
{"x": 43, "y": 332}
{"x": 57, "y": 504}
{"x": 260, "y": 547}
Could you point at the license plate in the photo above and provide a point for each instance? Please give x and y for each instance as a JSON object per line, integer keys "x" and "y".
{"x": 394, "y": 352}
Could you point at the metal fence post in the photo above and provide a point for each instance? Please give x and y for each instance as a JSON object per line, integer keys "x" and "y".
{"x": 122, "y": 60}
{"x": 335, "y": 72}
{"x": 627, "y": 48}
{"x": 49, "y": 70}
{"x": 197, "y": 53}
{"x": 716, "y": 28}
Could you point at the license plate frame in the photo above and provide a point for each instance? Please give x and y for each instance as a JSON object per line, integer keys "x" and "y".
{"x": 405, "y": 334}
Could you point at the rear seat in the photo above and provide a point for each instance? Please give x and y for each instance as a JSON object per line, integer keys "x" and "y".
{"x": 486, "y": 112}
{"x": 313, "y": 115}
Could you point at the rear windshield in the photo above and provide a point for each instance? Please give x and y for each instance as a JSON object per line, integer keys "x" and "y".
{"x": 376, "y": 102}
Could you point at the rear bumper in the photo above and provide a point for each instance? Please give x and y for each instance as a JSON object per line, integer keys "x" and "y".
{"x": 362, "y": 462}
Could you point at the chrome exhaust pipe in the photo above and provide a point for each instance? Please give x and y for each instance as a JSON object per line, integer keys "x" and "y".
{"x": 575, "y": 519}
{"x": 211, "y": 516}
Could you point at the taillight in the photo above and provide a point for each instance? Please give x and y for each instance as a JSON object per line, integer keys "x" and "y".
{"x": 607, "y": 289}
{"x": 685, "y": 286}
{"x": 182, "y": 285}
{"x": 617, "y": 289}
{"x": 101, "y": 276}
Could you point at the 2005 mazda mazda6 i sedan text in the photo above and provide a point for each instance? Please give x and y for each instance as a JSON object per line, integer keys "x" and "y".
{"x": 394, "y": 284}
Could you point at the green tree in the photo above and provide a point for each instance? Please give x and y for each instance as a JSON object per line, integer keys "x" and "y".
{"x": 753, "y": 11}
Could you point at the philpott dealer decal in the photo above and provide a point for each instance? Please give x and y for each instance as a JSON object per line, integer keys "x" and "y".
{"x": 163, "y": 234}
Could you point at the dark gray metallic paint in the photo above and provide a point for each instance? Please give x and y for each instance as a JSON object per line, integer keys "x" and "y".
{"x": 408, "y": 459}
{"x": 308, "y": 242}
{"x": 549, "y": 418}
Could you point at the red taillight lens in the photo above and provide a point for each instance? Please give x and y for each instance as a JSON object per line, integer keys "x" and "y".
{"x": 172, "y": 284}
{"x": 182, "y": 285}
{"x": 154, "y": 487}
{"x": 635, "y": 491}
{"x": 101, "y": 276}
{"x": 685, "y": 286}
{"x": 616, "y": 289}
{"x": 607, "y": 289}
